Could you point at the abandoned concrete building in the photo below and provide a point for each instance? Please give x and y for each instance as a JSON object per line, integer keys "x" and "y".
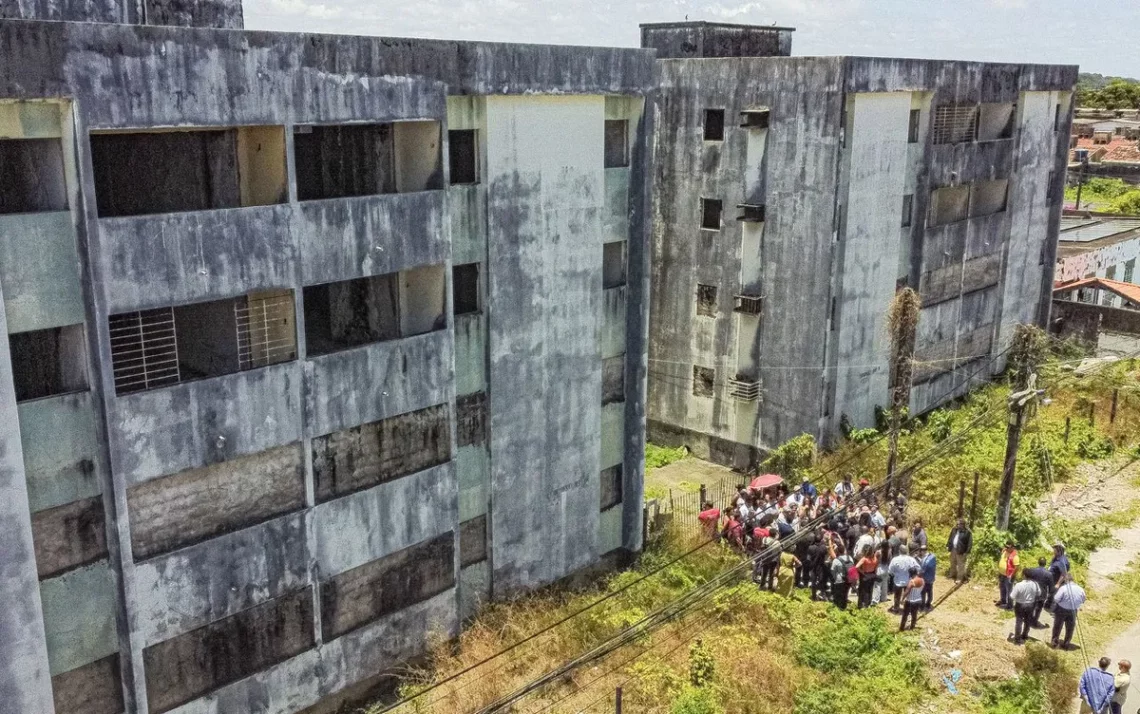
{"x": 793, "y": 195}
{"x": 314, "y": 342}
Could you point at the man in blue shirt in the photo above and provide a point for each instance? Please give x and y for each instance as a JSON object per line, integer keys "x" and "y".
{"x": 1059, "y": 567}
{"x": 929, "y": 567}
{"x": 1097, "y": 687}
{"x": 808, "y": 490}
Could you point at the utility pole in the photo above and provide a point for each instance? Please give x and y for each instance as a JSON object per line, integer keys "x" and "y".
{"x": 1026, "y": 353}
{"x": 902, "y": 320}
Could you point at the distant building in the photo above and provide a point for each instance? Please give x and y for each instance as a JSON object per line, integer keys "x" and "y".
{"x": 793, "y": 195}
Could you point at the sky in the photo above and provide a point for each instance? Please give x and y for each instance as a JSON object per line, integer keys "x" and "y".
{"x": 1099, "y": 35}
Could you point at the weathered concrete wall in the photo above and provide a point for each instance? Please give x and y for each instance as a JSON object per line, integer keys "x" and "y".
{"x": 544, "y": 232}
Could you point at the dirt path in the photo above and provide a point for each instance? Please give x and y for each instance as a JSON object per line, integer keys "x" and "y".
{"x": 967, "y": 633}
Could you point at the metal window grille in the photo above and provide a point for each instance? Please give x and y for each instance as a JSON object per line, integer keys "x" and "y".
{"x": 955, "y": 123}
{"x": 744, "y": 389}
{"x": 749, "y": 304}
{"x": 144, "y": 350}
{"x": 265, "y": 332}
{"x": 1129, "y": 269}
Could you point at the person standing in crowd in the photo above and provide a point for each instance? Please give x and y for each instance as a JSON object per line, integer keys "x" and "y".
{"x": 928, "y": 566}
{"x": 878, "y": 520}
{"x": 1044, "y": 580}
{"x": 844, "y": 489}
{"x": 900, "y": 569}
{"x": 1067, "y": 602}
{"x": 808, "y": 490}
{"x": 1059, "y": 567}
{"x": 1122, "y": 679}
{"x": 1007, "y": 569}
{"x": 959, "y": 545}
{"x": 1097, "y": 687}
{"x": 918, "y": 536}
{"x": 867, "y": 565}
{"x": 709, "y": 518}
{"x": 1024, "y": 597}
{"x": 883, "y": 591}
{"x": 815, "y": 564}
{"x": 841, "y": 566}
{"x": 733, "y": 532}
{"x": 912, "y": 599}
{"x": 769, "y": 564}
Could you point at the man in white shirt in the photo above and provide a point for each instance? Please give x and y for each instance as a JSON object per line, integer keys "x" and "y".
{"x": 878, "y": 520}
{"x": 1121, "y": 681}
{"x": 899, "y": 570}
{"x": 1066, "y": 602}
{"x": 1024, "y": 596}
{"x": 844, "y": 489}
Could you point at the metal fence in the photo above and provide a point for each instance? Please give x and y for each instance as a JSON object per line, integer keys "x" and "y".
{"x": 679, "y": 509}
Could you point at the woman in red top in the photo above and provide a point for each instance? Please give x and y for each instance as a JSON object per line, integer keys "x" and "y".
{"x": 709, "y": 518}
{"x": 868, "y": 567}
{"x": 733, "y": 532}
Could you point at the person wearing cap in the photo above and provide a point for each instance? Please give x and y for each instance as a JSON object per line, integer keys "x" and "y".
{"x": 1007, "y": 569}
{"x": 1122, "y": 679}
{"x": 959, "y": 545}
{"x": 1097, "y": 687}
{"x": 1067, "y": 602}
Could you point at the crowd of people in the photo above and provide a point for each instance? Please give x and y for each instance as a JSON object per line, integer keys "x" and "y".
{"x": 1030, "y": 591}
{"x": 843, "y": 544}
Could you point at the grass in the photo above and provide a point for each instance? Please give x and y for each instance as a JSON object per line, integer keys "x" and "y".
{"x": 658, "y": 456}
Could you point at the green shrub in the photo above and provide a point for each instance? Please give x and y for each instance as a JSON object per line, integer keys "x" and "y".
{"x": 940, "y": 424}
{"x": 1019, "y": 695}
{"x": 794, "y": 457}
{"x": 702, "y": 665}
{"x": 862, "y": 436}
{"x": 658, "y": 456}
{"x": 696, "y": 700}
{"x": 1054, "y": 672}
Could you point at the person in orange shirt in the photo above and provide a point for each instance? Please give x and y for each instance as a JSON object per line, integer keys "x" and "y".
{"x": 1007, "y": 569}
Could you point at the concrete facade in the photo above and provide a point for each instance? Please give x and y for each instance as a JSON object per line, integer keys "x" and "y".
{"x": 793, "y": 195}
{"x": 307, "y": 345}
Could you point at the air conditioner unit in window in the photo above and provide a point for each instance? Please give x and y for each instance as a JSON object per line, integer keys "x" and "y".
{"x": 744, "y": 389}
{"x": 748, "y": 304}
{"x": 750, "y": 212}
{"x": 755, "y": 118}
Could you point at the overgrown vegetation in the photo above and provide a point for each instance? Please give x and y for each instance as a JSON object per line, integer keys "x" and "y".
{"x": 658, "y": 456}
{"x": 1107, "y": 195}
{"x": 1044, "y": 685}
{"x": 1100, "y": 92}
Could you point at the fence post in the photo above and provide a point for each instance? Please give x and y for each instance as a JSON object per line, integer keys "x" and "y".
{"x": 704, "y": 495}
{"x": 644, "y": 526}
{"x": 1068, "y": 423}
{"x": 617, "y": 701}
{"x": 1112, "y": 412}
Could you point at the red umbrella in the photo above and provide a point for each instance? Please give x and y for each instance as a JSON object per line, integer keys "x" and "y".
{"x": 765, "y": 481}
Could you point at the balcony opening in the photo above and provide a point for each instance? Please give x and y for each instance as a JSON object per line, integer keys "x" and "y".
{"x": 711, "y": 210}
{"x": 706, "y": 300}
{"x": 346, "y": 160}
{"x": 955, "y": 123}
{"x": 744, "y": 388}
{"x": 31, "y": 176}
{"x": 463, "y": 156}
{"x": 995, "y": 121}
{"x": 749, "y": 304}
{"x": 146, "y": 172}
{"x": 714, "y": 125}
{"x": 471, "y": 419}
{"x": 613, "y": 380}
{"x": 350, "y": 313}
{"x": 703, "y": 380}
{"x": 423, "y": 294}
{"x": 949, "y": 204}
{"x": 165, "y": 346}
{"x": 914, "y": 125}
{"x": 750, "y": 212}
{"x": 465, "y": 289}
{"x": 613, "y": 265}
{"x": 616, "y": 143}
{"x": 48, "y": 362}
{"x": 988, "y": 197}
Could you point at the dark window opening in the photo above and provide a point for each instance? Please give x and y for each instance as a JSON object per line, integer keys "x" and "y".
{"x": 714, "y": 125}
{"x": 710, "y": 214}
{"x": 465, "y": 289}
{"x": 613, "y": 380}
{"x": 157, "y": 348}
{"x": 31, "y": 176}
{"x": 914, "y": 125}
{"x": 706, "y": 300}
{"x": 138, "y": 173}
{"x": 48, "y": 362}
{"x": 907, "y": 210}
{"x": 345, "y": 160}
{"x": 755, "y": 118}
{"x": 1057, "y": 118}
{"x": 617, "y": 143}
{"x": 463, "y": 156}
{"x": 703, "y": 380}
{"x": 350, "y": 313}
{"x": 613, "y": 265}
{"x": 471, "y": 419}
{"x": 995, "y": 121}
{"x": 611, "y": 487}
